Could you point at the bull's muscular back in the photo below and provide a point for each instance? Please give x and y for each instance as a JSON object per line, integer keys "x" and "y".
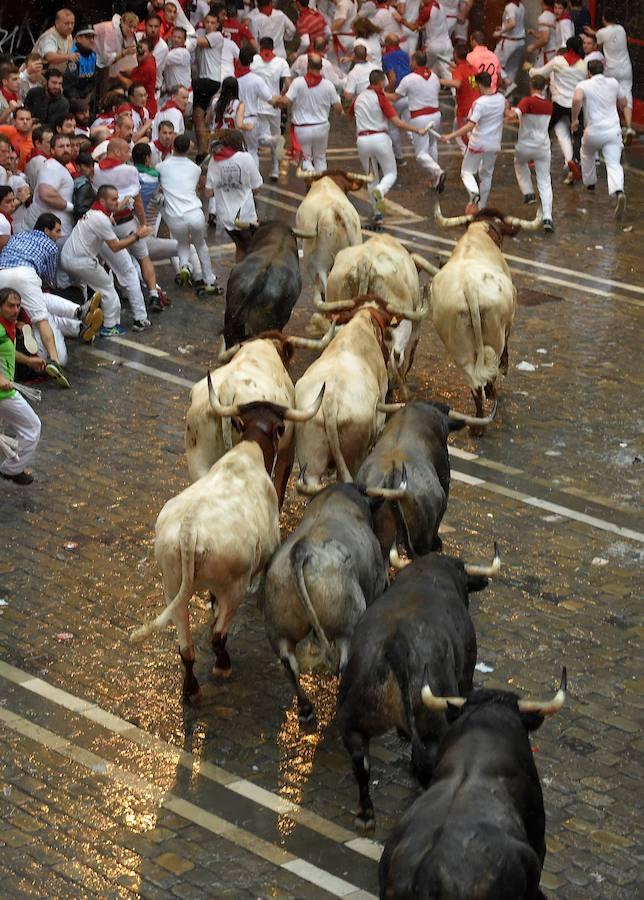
{"x": 476, "y": 245}
{"x": 380, "y": 266}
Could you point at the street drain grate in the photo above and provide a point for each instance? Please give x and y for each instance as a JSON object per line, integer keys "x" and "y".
{"x": 528, "y": 297}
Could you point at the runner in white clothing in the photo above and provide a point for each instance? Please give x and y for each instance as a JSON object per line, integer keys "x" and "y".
{"x": 183, "y": 214}
{"x": 255, "y": 93}
{"x": 533, "y": 145}
{"x": 373, "y": 112}
{"x": 564, "y": 25}
{"x": 312, "y": 98}
{"x": 511, "y": 45}
{"x": 357, "y": 80}
{"x": 172, "y": 111}
{"x": 545, "y": 44}
{"x": 601, "y": 97}
{"x": 438, "y": 44}
{"x": 178, "y": 64}
{"x": 485, "y": 122}
{"x": 276, "y": 73}
{"x": 614, "y": 44}
{"x": 421, "y": 89}
{"x": 272, "y": 23}
{"x": 320, "y": 46}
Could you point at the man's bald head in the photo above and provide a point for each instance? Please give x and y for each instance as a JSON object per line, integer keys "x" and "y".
{"x": 320, "y": 44}
{"x": 391, "y": 40}
{"x": 360, "y": 53}
{"x": 315, "y": 63}
{"x": 118, "y": 149}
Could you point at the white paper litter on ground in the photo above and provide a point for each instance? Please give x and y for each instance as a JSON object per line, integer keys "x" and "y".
{"x": 524, "y": 366}
{"x": 483, "y": 667}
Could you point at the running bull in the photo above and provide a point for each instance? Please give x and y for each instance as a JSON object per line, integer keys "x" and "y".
{"x": 415, "y": 438}
{"x": 221, "y": 532}
{"x": 420, "y": 628}
{"x": 323, "y": 577}
{"x": 253, "y": 371}
{"x": 473, "y": 299}
{"x": 479, "y": 830}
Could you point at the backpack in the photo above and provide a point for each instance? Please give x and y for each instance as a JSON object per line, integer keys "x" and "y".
{"x": 83, "y": 196}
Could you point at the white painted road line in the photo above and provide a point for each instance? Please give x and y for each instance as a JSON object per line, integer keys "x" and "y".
{"x": 142, "y": 348}
{"x": 140, "y": 367}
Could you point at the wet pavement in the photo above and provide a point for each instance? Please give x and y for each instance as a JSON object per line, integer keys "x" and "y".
{"x": 111, "y": 788}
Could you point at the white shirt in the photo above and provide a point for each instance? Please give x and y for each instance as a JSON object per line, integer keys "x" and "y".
{"x": 311, "y": 106}
{"x": 347, "y": 10}
{"x": 229, "y": 53}
{"x": 199, "y": 12}
{"x": 88, "y": 234}
{"x": 179, "y": 177}
{"x": 173, "y": 115}
{"x": 612, "y": 40}
{"x": 564, "y": 78}
{"x": 178, "y": 68}
{"x": 272, "y": 72}
{"x": 123, "y": 177}
{"x": 534, "y": 118}
{"x": 548, "y": 21}
{"x": 385, "y": 21}
{"x": 252, "y": 90}
{"x": 301, "y": 64}
{"x": 358, "y": 78}
{"x": 209, "y": 58}
{"x": 277, "y": 26}
{"x": 5, "y": 224}
{"x": 374, "y": 50}
{"x": 517, "y": 12}
{"x": 595, "y": 54}
{"x": 32, "y": 170}
{"x": 420, "y": 92}
{"x": 57, "y": 176}
{"x": 437, "y": 33}
{"x": 233, "y": 181}
{"x": 600, "y": 104}
{"x": 369, "y": 115}
{"x": 487, "y": 113}
{"x": 564, "y": 29}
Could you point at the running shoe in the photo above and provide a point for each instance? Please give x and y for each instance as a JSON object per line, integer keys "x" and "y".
{"x": 29, "y": 340}
{"x": 86, "y": 309}
{"x": 141, "y": 324}
{"x": 379, "y": 200}
{"x": 90, "y": 326}
{"x": 55, "y": 371}
{"x": 112, "y": 331}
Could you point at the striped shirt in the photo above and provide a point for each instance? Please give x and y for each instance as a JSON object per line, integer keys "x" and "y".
{"x": 33, "y": 249}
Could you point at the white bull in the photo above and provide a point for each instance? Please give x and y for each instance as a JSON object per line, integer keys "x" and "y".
{"x": 253, "y": 371}
{"x": 329, "y": 217}
{"x": 221, "y": 532}
{"x": 353, "y": 369}
{"x": 473, "y": 299}
{"x": 383, "y": 267}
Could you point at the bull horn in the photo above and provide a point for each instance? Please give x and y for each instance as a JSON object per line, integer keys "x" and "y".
{"x": 449, "y": 221}
{"x": 221, "y": 411}
{"x": 239, "y": 225}
{"x": 547, "y": 707}
{"x": 422, "y": 263}
{"x": 301, "y": 173}
{"x": 360, "y": 176}
{"x": 474, "y": 420}
{"x": 335, "y": 306}
{"x": 303, "y": 415}
{"x": 312, "y": 343}
{"x": 224, "y": 355}
{"x": 390, "y": 493}
{"x": 414, "y": 315}
{"x": 395, "y": 560}
{"x": 388, "y": 408}
{"x": 309, "y": 490}
{"x": 487, "y": 571}
{"x": 437, "y": 704}
{"x": 526, "y": 224}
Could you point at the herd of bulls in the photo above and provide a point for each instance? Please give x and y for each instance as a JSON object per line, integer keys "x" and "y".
{"x": 405, "y": 652}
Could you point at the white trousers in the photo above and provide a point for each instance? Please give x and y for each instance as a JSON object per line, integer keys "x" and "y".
{"x": 127, "y": 275}
{"x": 191, "y": 227}
{"x": 85, "y": 270}
{"x": 562, "y": 132}
{"x": 425, "y": 145}
{"x": 610, "y": 145}
{"x": 481, "y": 164}
{"x": 541, "y": 161}
{"x": 16, "y": 412}
{"x": 510, "y": 55}
{"x": 376, "y": 152}
{"x": 313, "y": 139}
{"x": 402, "y": 111}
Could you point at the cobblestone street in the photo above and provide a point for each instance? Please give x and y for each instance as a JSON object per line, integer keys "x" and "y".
{"x": 112, "y": 788}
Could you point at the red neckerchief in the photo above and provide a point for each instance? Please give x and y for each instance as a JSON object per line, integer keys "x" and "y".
{"x": 240, "y": 70}
{"x": 71, "y": 168}
{"x": 266, "y": 9}
{"x": 564, "y": 15}
{"x": 224, "y": 153}
{"x": 99, "y": 206}
{"x": 390, "y": 50}
{"x": 267, "y": 55}
{"x": 108, "y": 162}
{"x": 424, "y": 72}
{"x": 34, "y": 153}
{"x": 164, "y": 151}
{"x": 10, "y": 328}
{"x": 386, "y": 106}
{"x": 170, "y": 105}
{"x": 123, "y": 108}
{"x": 312, "y": 80}
{"x": 139, "y": 110}
{"x": 571, "y": 57}
{"x": 9, "y": 95}
{"x": 107, "y": 116}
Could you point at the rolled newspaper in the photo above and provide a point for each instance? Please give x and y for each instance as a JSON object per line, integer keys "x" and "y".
{"x": 8, "y": 446}
{"x": 30, "y": 393}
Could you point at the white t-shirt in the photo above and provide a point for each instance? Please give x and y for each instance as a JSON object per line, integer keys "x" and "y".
{"x": 209, "y": 58}
{"x": 369, "y": 115}
{"x": 564, "y": 29}
{"x": 548, "y": 21}
{"x": 437, "y": 37}
{"x": 301, "y": 64}
{"x": 277, "y": 26}
{"x": 233, "y": 181}
{"x": 311, "y": 106}
{"x": 385, "y": 21}
{"x": 229, "y": 53}
{"x": 5, "y": 225}
{"x": 179, "y": 177}
{"x": 612, "y": 40}
{"x": 374, "y": 50}
{"x": 178, "y": 68}
{"x": 171, "y": 114}
{"x": 347, "y": 10}
{"x": 600, "y": 104}
{"x": 32, "y": 170}
{"x": 564, "y": 78}
{"x": 358, "y": 78}
{"x": 517, "y": 12}
{"x": 272, "y": 72}
{"x": 252, "y": 90}
{"x": 57, "y": 176}
{"x": 420, "y": 92}
{"x": 88, "y": 234}
{"x": 123, "y": 177}
{"x": 487, "y": 113}
{"x": 595, "y": 55}
{"x": 534, "y": 118}
{"x": 199, "y": 12}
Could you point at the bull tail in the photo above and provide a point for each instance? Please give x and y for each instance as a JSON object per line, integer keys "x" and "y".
{"x": 330, "y": 418}
{"x": 299, "y": 556}
{"x": 486, "y": 367}
{"x": 397, "y": 654}
{"x": 187, "y": 547}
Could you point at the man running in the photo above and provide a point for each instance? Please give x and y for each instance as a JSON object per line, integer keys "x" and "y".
{"x": 533, "y": 145}
{"x": 421, "y": 89}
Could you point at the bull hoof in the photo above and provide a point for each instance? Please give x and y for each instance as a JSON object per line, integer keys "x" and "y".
{"x": 222, "y": 672}
{"x": 365, "y": 823}
{"x": 192, "y": 695}
{"x": 306, "y": 717}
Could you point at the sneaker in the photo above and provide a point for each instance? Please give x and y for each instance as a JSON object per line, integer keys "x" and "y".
{"x": 548, "y": 226}
{"x": 629, "y": 134}
{"x": 19, "y": 478}
{"x": 280, "y": 145}
{"x": 155, "y": 304}
{"x": 377, "y": 222}
{"x": 275, "y": 173}
{"x": 183, "y": 277}
{"x": 620, "y": 204}
{"x": 212, "y": 289}
{"x": 440, "y": 186}
{"x": 574, "y": 168}
{"x": 54, "y": 370}
{"x": 401, "y": 163}
{"x": 529, "y": 199}
{"x": 379, "y": 200}
{"x": 112, "y": 331}
{"x": 141, "y": 324}
{"x": 569, "y": 179}
{"x": 90, "y": 326}
{"x": 85, "y": 310}
{"x": 29, "y": 340}
{"x": 212, "y": 221}
{"x": 590, "y": 187}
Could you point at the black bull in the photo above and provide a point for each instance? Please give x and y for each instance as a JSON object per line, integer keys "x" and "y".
{"x": 264, "y": 286}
